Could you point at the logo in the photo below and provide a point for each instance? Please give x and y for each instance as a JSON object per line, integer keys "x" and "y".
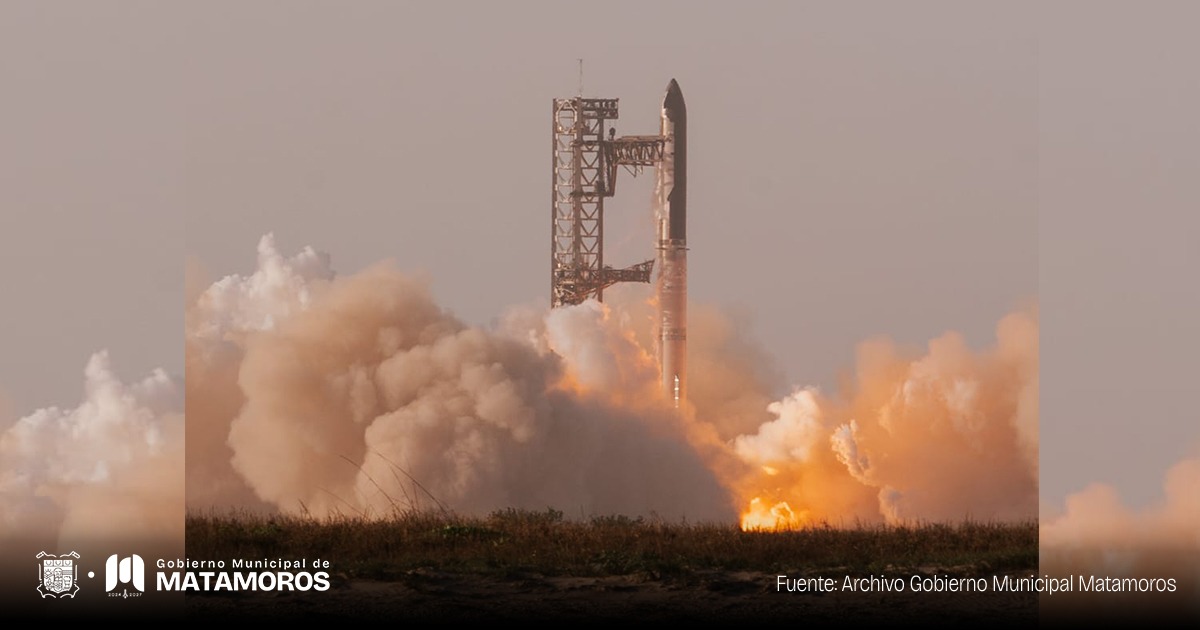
{"x": 127, "y": 574}
{"x": 58, "y": 574}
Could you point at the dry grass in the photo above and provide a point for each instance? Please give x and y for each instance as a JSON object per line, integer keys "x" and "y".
{"x": 515, "y": 542}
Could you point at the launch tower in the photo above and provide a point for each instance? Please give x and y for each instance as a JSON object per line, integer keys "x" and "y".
{"x": 585, "y": 165}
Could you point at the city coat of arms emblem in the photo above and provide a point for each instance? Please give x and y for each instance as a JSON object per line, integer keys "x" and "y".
{"x": 58, "y": 574}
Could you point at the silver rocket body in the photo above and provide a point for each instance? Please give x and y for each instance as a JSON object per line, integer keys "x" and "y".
{"x": 671, "y": 222}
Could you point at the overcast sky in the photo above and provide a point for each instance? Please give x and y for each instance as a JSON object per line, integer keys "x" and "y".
{"x": 853, "y": 171}
{"x": 1119, "y": 155}
{"x": 856, "y": 169}
{"x": 91, "y": 207}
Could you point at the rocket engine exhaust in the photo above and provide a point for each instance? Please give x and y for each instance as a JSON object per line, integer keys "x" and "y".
{"x": 671, "y": 221}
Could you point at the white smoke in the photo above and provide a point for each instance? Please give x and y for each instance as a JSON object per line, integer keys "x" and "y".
{"x": 113, "y": 466}
{"x": 946, "y": 436}
{"x": 279, "y": 286}
{"x": 792, "y": 436}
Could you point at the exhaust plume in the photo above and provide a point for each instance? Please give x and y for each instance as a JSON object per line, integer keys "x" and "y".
{"x": 1097, "y": 534}
{"x": 111, "y": 468}
{"x": 314, "y": 392}
{"x": 944, "y": 436}
{"x": 1096, "y": 518}
{"x": 359, "y": 394}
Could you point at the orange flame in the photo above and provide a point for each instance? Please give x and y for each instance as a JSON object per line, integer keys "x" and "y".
{"x": 778, "y": 517}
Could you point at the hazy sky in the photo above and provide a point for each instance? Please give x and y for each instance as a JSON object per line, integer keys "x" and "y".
{"x": 856, "y": 169}
{"x": 853, "y": 171}
{"x": 1119, "y": 155}
{"x": 91, "y": 212}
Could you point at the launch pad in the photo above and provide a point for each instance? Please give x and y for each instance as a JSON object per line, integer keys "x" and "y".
{"x": 585, "y": 166}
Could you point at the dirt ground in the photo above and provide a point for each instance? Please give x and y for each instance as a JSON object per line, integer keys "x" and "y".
{"x": 435, "y": 597}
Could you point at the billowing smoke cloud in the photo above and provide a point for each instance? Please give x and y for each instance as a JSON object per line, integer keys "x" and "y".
{"x": 110, "y": 468}
{"x": 1097, "y": 531}
{"x": 1097, "y": 534}
{"x": 1096, "y": 518}
{"x": 311, "y": 392}
{"x": 218, "y": 321}
{"x": 944, "y": 436}
{"x": 358, "y": 394}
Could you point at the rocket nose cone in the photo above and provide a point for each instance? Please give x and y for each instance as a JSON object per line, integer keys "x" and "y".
{"x": 674, "y": 97}
{"x": 673, "y": 89}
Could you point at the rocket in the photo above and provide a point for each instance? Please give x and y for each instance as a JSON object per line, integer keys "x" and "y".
{"x": 671, "y": 223}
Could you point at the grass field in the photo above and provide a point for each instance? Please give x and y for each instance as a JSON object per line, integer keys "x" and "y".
{"x": 511, "y": 542}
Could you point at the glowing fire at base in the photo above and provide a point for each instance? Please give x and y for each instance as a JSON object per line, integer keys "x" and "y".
{"x": 759, "y": 516}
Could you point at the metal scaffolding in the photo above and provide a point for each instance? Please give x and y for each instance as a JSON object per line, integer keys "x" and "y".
{"x": 584, "y": 173}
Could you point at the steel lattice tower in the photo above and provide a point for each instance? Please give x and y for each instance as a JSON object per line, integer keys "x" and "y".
{"x": 584, "y": 173}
